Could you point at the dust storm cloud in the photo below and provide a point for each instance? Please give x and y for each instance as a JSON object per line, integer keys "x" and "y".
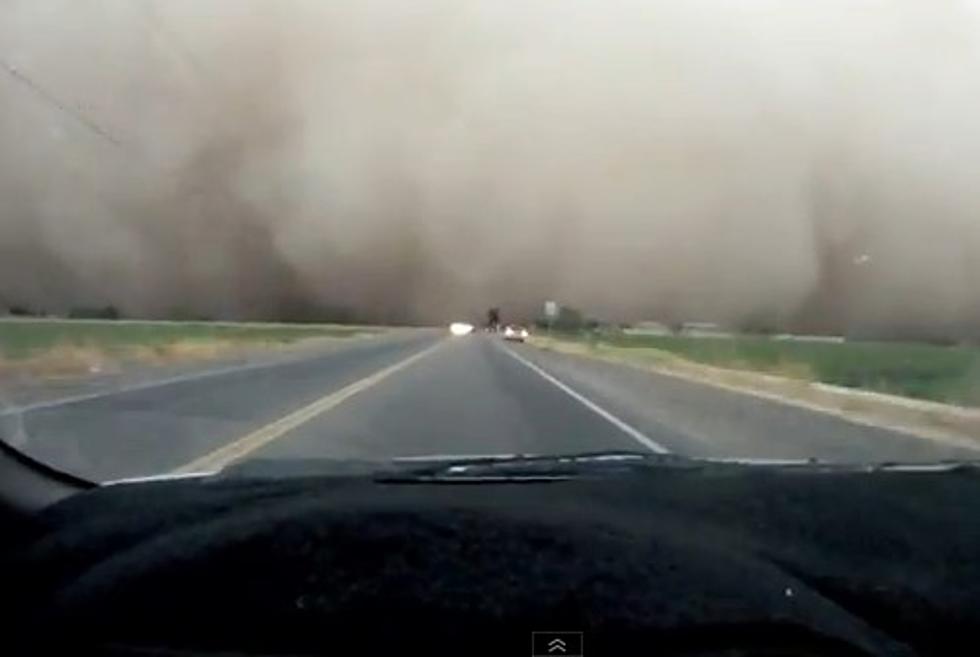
{"x": 780, "y": 162}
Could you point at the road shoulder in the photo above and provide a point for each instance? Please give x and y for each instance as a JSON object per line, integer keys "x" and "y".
{"x": 950, "y": 425}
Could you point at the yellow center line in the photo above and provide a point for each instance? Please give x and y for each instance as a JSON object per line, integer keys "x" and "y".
{"x": 247, "y": 444}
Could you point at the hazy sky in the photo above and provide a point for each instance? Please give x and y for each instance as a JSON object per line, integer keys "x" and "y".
{"x": 749, "y": 160}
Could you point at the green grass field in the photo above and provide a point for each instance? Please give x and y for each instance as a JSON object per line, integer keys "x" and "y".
{"x": 945, "y": 374}
{"x": 24, "y": 338}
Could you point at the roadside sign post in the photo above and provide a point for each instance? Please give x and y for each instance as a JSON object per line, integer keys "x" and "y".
{"x": 551, "y": 310}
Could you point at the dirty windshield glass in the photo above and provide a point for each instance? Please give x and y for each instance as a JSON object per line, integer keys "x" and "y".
{"x": 239, "y": 231}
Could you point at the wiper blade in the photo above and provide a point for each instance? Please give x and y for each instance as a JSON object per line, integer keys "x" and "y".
{"x": 505, "y": 459}
{"x": 549, "y": 467}
{"x": 525, "y": 467}
{"x": 485, "y": 469}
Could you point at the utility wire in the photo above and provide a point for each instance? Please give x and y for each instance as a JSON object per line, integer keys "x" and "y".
{"x": 177, "y": 44}
{"x": 157, "y": 22}
{"x": 50, "y": 99}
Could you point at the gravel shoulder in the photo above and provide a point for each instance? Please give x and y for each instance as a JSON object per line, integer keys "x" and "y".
{"x": 943, "y": 423}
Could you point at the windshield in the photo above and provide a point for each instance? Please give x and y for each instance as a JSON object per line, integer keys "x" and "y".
{"x": 239, "y": 230}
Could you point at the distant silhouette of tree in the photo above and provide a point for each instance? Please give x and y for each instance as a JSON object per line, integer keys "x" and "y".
{"x": 105, "y": 312}
{"x": 569, "y": 319}
{"x": 19, "y": 310}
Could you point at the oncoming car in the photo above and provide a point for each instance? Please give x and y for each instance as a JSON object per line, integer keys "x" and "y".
{"x": 514, "y": 333}
{"x": 460, "y": 329}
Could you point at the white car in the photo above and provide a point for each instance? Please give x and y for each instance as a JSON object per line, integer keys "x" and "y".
{"x": 515, "y": 333}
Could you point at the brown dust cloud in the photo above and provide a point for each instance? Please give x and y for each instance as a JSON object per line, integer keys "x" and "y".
{"x": 810, "y": 166}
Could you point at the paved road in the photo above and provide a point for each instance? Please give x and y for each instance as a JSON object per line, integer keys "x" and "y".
{"x": 420, "y": 393}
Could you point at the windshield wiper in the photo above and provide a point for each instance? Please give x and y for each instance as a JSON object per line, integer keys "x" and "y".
{"x": 529, "y": 468}
{"x": 525, "y": 468}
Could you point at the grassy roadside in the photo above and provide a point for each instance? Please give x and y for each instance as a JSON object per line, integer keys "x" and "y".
{"x": 949, "y": 375}
{"x": 784, "y": 376}
{"x": 73, "y": 347}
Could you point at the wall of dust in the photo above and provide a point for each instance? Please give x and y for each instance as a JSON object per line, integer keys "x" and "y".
{"x": 766, "y": 162}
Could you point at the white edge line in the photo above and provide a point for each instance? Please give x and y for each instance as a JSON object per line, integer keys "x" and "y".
{"x": 147, "y": 385}
{"x": 907, "y": 432}
{"x": 629, "y": 430}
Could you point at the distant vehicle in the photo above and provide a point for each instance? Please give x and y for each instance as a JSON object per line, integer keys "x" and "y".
{"x": 460, "y": 328}
{"x": 514, "y": 333}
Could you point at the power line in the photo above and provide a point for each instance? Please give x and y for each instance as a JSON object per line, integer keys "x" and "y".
{"x": 50, "y": 99}
{"x": 89, "y": 124}
{"x": 177, "y": 44}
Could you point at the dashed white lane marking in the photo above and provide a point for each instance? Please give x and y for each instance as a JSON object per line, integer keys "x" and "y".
{"x": 625, "y": 427}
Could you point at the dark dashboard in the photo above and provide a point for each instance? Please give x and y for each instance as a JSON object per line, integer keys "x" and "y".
{"x": 642, "y": 556}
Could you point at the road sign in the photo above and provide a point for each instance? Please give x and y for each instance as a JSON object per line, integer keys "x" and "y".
{"x": 551, "y": 309}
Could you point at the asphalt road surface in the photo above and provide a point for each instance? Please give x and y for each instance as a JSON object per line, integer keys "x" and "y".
{"x": 422, "y": 393}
